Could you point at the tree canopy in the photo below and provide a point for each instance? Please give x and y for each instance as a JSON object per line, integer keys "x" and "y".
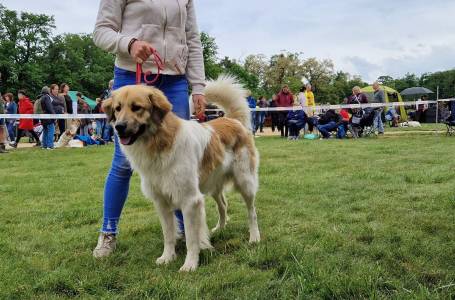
{"x": 31, "y": 57}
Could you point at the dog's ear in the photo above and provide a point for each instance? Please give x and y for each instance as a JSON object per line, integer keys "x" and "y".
{"x": 160, "y": 106}
{"x": 108, "y": 110}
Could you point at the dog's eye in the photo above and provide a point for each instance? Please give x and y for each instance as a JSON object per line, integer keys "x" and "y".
{"x": 135, "y": 107}
{"x": 118, "y": 108}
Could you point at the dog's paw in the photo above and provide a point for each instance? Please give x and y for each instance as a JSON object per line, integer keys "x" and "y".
{"x": 255, "y": 237}
{"x": 165, "y": 259}
{"x": 189, "y": 266}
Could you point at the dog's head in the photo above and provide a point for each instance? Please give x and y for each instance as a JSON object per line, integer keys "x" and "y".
{"x": 134, "y": 110}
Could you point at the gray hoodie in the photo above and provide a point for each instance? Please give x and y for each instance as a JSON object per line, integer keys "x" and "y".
{"x": 169, "y": 26}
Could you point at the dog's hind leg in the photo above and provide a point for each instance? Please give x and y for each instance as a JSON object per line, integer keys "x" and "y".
{"x": 247, "y": 184}
{"x": 196, "y": 231}
{"x": 222, "y": 211}
{"x": 167, "y": 220}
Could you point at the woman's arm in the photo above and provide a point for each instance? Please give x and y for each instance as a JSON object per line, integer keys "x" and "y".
{"x": 195, "y": 66}
{"x": 107, "y": 28}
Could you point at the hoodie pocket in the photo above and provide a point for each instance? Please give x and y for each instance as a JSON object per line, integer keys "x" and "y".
{"x": 176, "y": 49}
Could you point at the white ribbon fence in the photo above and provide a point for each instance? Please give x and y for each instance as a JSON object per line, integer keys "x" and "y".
{"x": 267, "y": 109}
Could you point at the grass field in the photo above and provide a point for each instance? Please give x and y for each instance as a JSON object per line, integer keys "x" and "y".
{"x": 369, "y": 218}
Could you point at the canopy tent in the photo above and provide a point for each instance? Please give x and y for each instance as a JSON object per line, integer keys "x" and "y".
{"x": 90, "y": 102}
{"x": 417, "y": 90}
{"x": 391, "y": 95}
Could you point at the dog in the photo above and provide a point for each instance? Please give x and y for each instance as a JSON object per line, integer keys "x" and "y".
{"x": 410, "y": 124}
{"x": 180, "y": 161}
{"x": 69, "y": 134}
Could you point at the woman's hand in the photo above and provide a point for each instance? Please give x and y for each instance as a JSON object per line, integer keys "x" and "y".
{"x": 199, "y": 104}
{"x": 140, "y": 51}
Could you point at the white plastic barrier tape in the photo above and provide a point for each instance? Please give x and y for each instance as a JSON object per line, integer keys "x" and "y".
{"x": 294, "y": 108}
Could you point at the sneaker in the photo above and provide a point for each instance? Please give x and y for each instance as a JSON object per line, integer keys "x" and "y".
{"x": 106, "y": 245}
{"x": 13, "y": 145}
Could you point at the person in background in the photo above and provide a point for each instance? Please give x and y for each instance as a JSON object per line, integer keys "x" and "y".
{"x": 274, "y": 114}
{"x": 330, "y": 121}
{"x": 11, "y": 108}
{"x": 100, "y": 123}
{"x": 357, "y": 96}
{"x": 392, "y": 116}
{"x": 48, "y": 124}
{"x": 310, "y": 101}
{"x": 252, "y": 104}
{"x": 25, "y": 125}
{"x": 296, "y": 120}
{"x": 3, "y": 130}
{"x": 64, "y": 89}
{"x": 108, "y": 131}
{"x": 83, "y": 108}
{"x": 59, "y": 107}
{"x": 379, "y": 97}
{"x": 302, "y": 97}
{"x": 260, "y": 115}
{"x": 421, "y": 109}
{"x": 345, "y": 117}
{"x": 284, "y": 99}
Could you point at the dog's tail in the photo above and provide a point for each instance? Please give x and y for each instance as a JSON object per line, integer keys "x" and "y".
{"x": 228, "y": 93}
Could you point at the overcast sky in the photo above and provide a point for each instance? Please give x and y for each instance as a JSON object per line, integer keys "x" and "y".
{"x": 368, "y": 38}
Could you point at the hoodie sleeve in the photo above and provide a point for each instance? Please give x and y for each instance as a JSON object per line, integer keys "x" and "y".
{"x": 195, "y": 67}
{"x": 108, "y": 24}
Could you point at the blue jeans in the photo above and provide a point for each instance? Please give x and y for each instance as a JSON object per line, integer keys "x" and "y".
{"x": 341, "y": 131}
{"x": 10, "y": 125}
{"x": 100, "y": 123}
{"x": 118, "y": 180}
{"x": 327, "y": 128}
{"x": 378, "y": 121}
{"x": 48, "y": 136}
{"x": 260, "y": 118}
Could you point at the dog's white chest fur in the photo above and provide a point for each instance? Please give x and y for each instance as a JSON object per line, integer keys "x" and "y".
{"x": 169, "y": 175}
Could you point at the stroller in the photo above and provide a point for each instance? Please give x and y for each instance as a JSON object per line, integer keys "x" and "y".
{"x": 362, "y": 122}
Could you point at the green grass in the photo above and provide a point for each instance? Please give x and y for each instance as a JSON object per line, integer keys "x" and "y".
{"x": 368, "y": 218}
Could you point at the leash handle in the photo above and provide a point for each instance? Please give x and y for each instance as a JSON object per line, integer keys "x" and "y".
{"x": 159, "y": 66}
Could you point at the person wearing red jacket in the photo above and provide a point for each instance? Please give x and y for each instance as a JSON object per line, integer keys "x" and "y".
{"x": 25, "y": 107}
{"x": 284, "y": 99}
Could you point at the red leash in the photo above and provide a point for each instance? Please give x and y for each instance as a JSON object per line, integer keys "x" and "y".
{"x": 159, "y": 66}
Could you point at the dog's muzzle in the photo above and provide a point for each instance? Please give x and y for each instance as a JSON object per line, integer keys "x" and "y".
{"x": 127, "y": 137}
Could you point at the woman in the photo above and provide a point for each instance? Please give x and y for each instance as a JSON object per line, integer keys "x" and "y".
{"x": 3, "y": 129}
{"x": 59, "y": 107}
{"x": 25, "y": 125}
{"x": 260, "y": 115}
{"x": 130, "y": 29}
{"x": 11, "y": 108}
{"x": 64, "y": 89}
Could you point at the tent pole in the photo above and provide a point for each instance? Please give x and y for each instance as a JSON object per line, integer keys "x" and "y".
{"x": 437, "y": 104}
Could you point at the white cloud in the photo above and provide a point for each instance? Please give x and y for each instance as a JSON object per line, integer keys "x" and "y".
{"x": 365, "y": 37}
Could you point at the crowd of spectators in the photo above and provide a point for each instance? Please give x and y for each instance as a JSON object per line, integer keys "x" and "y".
{"x": 44, "y": 133}
{"x": 299, "y": 113}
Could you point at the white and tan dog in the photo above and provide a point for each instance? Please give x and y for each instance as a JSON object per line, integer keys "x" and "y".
{"x": 181, "y": 161}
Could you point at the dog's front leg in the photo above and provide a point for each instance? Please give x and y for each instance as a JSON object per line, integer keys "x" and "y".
{"x": 196, "y": 232}
{"x": 168, "y": 226}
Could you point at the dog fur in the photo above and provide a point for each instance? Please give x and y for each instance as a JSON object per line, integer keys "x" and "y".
{"x": 181, "y": 161}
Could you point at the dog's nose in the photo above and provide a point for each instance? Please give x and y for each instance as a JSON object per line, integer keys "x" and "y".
{"x": 120, "y": 127}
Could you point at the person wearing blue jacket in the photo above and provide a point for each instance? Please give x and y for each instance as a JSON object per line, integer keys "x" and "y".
{"x": 296, "y": 120}
{"x": 48, "y": 124}
{"x": 11, "y": 108}
{"x": 252, "y": 104}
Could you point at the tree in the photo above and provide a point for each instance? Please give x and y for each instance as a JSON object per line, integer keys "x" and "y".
{"x": 210, "y": 51}
{"x": 284, "y": 68}
{"x": 74, "y": 59}
{"x": 24, "y": 39}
